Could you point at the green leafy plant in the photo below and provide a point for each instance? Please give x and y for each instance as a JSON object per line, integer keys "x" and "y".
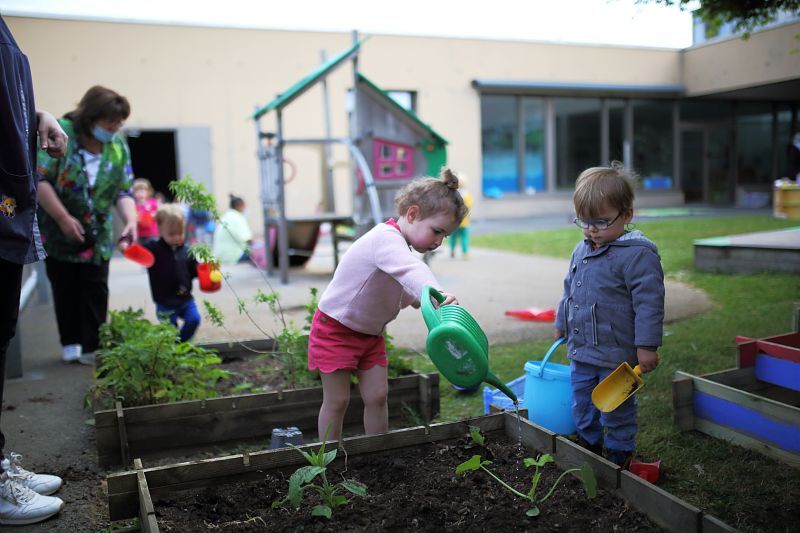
{"x": 331, "y": 494}
{"x": 476, "y": 462}
{"x": 145, "y": 363}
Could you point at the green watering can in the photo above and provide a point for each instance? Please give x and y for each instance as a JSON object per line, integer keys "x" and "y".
{"x": 457, "y": 345}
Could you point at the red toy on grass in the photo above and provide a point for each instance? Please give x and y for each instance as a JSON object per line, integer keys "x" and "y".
{"x": 534, "y": 313}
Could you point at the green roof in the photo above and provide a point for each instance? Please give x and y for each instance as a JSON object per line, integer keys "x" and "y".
{"x": 397, "y": 107}
{"x": 307, "y": 82}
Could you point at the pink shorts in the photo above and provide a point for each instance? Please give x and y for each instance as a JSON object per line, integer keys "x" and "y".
{"x": 333, "y": 346}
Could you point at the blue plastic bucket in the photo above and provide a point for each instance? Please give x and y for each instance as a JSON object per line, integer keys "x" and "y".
{"x": 548, "y": 394}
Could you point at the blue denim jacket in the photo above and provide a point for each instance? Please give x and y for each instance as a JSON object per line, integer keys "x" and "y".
{"x": 613, "y": 301}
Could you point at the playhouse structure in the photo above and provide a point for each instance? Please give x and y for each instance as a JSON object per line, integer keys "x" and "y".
{"x": 388, "y": 146}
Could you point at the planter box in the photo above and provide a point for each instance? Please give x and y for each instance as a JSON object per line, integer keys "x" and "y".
{"x": 736, "y": 406}
{"x": 130, "y": 493}
{"x": 191, "y": 426}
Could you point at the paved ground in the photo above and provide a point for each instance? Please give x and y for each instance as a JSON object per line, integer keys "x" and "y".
{"x": 43, "y": 416}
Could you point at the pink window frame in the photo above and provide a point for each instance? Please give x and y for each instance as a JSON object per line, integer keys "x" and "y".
{"x": 393, "y": 162}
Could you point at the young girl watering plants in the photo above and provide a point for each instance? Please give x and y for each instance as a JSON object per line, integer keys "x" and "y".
{"x": 612, "y": 308}
{"x": 378, "y": 276}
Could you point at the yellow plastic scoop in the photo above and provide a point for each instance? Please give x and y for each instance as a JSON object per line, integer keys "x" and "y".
{"x": 618, "y": 386}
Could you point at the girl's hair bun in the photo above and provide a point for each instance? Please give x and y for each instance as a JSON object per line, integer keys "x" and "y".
{"x": 449, "y": 178}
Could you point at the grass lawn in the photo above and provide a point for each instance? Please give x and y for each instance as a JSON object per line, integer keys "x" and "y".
{"x": 742, "y": 488}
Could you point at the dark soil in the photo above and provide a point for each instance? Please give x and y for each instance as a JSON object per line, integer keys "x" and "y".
{"x": 409, "y": 489}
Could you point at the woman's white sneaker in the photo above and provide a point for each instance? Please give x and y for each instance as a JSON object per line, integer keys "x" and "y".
{"x": 19, "y": 505}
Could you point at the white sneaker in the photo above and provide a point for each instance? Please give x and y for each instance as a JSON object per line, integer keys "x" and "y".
{"x": 44, "y": 484}
{"x": 19, "y": 505}
{"x": 71, "y": 353}
{"x": 87, "y": 358}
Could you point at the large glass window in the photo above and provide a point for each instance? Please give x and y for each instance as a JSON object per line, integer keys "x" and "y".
{"x": 787, "y": 151}
{"x": 754, "y": 143}
{"x": 499, "y": 145}
{"x": 577, "y": 138}
{"x": 533, "y": 119}
{"x": 653, "y": 143}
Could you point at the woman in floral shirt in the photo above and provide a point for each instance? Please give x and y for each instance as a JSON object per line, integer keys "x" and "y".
{"x": 76, "y": 194}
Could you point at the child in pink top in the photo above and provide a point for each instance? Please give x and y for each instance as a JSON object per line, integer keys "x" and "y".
{"x": 377, "y": 277}
{"x": 146, "y": 207}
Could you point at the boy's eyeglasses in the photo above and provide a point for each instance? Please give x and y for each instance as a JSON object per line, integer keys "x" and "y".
{"x": 600, "y": 224}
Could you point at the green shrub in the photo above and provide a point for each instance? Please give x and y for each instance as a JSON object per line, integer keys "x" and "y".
{"x": 144, "y": 363}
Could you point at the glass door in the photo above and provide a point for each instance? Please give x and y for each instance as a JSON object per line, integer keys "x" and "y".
{"x": 705, "y": 163}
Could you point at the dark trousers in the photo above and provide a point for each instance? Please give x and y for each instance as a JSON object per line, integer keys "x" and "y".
{"x": 80, "y": 297}
{"x": 11, "y": 276}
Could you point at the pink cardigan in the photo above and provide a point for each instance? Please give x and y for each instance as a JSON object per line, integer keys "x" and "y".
{"x": 377, "y": 277}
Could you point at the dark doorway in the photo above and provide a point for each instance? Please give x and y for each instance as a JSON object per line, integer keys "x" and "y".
{"x": 153, "y": 157}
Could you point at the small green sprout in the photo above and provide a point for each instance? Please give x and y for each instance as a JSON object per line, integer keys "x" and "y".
{"x": 477, "y": 437}
{"x": 587, "y": 476}
{"x": 302, "y": 479}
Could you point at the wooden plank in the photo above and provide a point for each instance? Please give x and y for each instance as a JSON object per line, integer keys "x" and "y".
{"x": 778, "y": 371}
{"x": 662, "y": 507}
{"x": 156, "y": 428}
{"x": 746, "y": 353}
{"x": 534, "y": 437}
{"x": 570, "y": 455}
{"x": 123, "y": 434}
{"x": 245, "y": 401}
{"x": 712, "y": 524}
{"x": 745, "y": 379}
{"x": 682, "y": 404}
{"x": 147, "y": 514}
{"x": 777, "y": 411}
{"x": 235, "y": 424}
{"x": 733, "y": 377}
{"x": 746, "y": 441}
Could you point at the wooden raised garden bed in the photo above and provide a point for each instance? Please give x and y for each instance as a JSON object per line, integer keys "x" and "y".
{"x": 186, "y": 427}
{"x": 141, "y": 492}
{"x": 756, "y": 406}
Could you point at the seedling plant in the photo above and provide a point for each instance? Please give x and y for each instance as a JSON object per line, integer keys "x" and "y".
{"x": 476, "y": 462}
{"x": 330, "y": 493}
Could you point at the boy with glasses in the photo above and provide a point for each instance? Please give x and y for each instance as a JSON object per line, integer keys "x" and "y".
{"x": 612, "y": 308}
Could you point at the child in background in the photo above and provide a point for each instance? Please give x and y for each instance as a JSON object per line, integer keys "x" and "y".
{"x": 612, "y": 309}
{"x": 146, "y": 207}
{"x": 377, "y": 277}
{"x": 232, "y": 236}
{"x": 462, "y": 233}
{"x": 172, "y": 272}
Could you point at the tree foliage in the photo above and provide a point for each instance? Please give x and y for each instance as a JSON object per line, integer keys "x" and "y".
{"x": 746, "y": 14}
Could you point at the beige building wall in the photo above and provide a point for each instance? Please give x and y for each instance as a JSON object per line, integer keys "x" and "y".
{"x": 769, "y": 56}
{"x": 179, "y": 76}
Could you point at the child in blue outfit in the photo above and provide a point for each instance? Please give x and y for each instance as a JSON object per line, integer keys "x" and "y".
{"x": 172, "y": 272}
{"x": 612, "y": 308}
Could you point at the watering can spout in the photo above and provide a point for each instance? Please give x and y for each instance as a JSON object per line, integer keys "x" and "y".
{"x": 491, "y": 379}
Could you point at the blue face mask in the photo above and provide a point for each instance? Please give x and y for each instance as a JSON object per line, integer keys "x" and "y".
{"x": 102, "y": 134}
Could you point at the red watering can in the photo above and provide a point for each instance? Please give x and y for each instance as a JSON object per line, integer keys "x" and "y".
{"x": 139, "y": 254}
{"x": 210, "y": 277}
